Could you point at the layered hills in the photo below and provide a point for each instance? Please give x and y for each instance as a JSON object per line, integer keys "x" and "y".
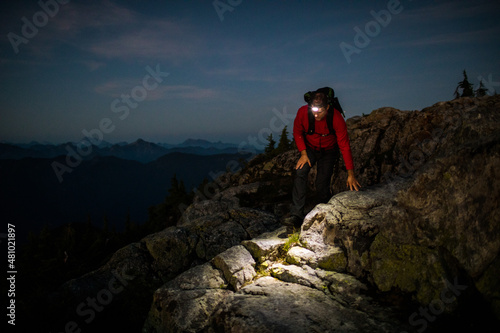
{"x": 139, "y": 150}
{"x": 113, "y": 182}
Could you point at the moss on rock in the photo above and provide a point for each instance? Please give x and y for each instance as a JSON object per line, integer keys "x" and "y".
{"x": 335, "y": 262}
{"x": 406, "y": 267}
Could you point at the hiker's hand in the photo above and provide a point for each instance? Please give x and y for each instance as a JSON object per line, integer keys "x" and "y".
{"x": 302, "y": 160}
{"x": 352, "y": 182}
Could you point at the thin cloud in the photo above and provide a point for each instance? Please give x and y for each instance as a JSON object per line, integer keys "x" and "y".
{"x": 449, "y": 38}
{"x": 107, "y": 31}
{"x": 185, "y": 92}
{"x": 93, "y": 65}
{"x": 451, "y": 10}
{"x": 158, "y": 40}
{"x": 117, "y": 88}
{"x": 76, "y": 18}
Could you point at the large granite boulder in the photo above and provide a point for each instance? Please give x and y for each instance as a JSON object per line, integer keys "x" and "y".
{"x": 233, "y": 293}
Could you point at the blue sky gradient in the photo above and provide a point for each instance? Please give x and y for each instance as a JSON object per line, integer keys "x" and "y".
{"x": 228, "y": 70}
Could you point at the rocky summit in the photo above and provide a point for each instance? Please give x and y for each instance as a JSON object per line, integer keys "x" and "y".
{"x": 417, "y": 249}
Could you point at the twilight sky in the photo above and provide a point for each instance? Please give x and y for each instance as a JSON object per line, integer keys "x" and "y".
{"x": 229, "y": 70}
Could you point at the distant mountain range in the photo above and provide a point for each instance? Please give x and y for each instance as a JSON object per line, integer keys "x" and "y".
{"x": 140, "y": 150}
{"x": 112, "y": 181}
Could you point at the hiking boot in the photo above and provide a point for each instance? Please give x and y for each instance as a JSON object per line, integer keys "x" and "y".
{"x": 292, "y": 230}
{"x": 293, "y": 223}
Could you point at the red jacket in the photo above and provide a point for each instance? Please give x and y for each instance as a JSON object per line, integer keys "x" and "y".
{"x": 316, "y": 141}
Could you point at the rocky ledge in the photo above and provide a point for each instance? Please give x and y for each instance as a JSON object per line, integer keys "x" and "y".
{"x": 416, "y": 250}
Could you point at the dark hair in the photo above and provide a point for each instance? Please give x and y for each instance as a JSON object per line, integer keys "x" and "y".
{"x": 319, "y": 99}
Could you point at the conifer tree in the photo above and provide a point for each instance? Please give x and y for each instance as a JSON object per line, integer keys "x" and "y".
{"x": 129, "y": 226}
{"x": 270, "y": 146}
{"x": 177, "y": 197}
{"x": 105, "y": 226}
{"x": 284, "y": 143}
{"x": 68, "y": 238}
{"x": 481, "y": 91}
{"x": 466, "y": 86}
{"x": 177, "y": 191}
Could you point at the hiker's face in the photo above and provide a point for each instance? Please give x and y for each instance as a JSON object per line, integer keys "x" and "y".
{"x": 320, "y": 114}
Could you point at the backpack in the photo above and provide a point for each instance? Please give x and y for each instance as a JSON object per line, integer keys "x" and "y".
{"x": 332, "y": 101}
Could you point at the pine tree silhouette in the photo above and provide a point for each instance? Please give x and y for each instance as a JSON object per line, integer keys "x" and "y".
{"x": 465, "y": 86}
{"x": 482, "y": 90}
{"x": 271, "y": 144}
{"x": 284, "y": 143}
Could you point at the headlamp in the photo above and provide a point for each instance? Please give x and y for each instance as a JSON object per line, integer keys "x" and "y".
{"x": 315, "y": 108}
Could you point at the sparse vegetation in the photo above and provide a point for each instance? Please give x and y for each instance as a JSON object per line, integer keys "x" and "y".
{"x": 292, "y": 240}
{"x": 466, "y": 89}
{"x": 262, "y": 270}
{"x": 270, "y": 145}
{"x": 481, "y": 91}
{"x": 284, "y": 144}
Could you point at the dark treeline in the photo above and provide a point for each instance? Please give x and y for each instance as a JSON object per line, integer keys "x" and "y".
{"x": 56, "y": 255}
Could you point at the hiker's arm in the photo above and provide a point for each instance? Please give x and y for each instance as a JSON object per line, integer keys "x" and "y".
{"x": 352, "y": 182}
{"x": 299, "y": 129}
{"x": 343, "y": 139}
{"x": 303, "y": 160}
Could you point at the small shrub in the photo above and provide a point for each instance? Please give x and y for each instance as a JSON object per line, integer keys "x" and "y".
{"x": 291, "y": 241}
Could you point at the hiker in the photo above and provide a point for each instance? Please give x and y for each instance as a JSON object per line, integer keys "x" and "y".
{"x": 319, "y": 131}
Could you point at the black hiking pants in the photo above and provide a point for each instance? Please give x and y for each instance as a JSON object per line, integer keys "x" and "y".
{"x": 325, "y": 160}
